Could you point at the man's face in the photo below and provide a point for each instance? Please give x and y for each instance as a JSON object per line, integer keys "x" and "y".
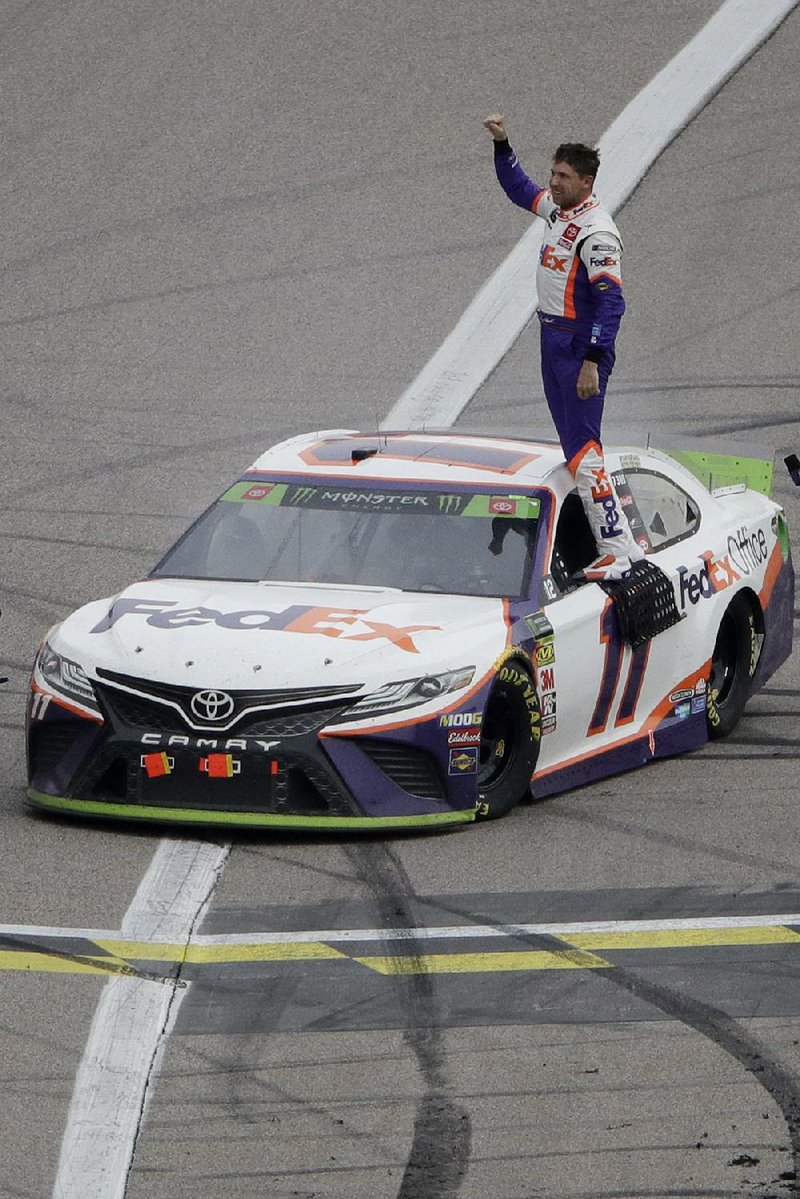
{"x": 568, "y": 188}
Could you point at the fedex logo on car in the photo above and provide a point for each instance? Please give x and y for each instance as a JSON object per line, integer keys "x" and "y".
{"x": 713, "y": 576}
{"x": 351, "y": 624}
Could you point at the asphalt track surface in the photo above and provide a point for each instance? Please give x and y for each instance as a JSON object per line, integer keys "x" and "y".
{"x": 225, "y": 223}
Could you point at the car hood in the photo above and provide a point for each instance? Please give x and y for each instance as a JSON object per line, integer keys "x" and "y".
{"x": 262, "y": 635}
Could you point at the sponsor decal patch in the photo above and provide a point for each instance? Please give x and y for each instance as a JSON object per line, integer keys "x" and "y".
{"x": 460, "y": 720}
{"x": 463, "y": 761}
{"x": 464, "y": 737}
{"x": 545, "y": 654}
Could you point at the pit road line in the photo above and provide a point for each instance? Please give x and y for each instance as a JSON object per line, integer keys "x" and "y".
{"x": 48, "y": 950}
{"x": 133, "y": 1017}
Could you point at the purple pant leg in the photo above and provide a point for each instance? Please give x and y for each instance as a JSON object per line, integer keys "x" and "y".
{"x": 577, "y": 421}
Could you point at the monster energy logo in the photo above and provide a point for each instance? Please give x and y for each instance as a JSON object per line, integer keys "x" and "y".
{"x": 301, "y": 495}
{"x": 450, "y": 503}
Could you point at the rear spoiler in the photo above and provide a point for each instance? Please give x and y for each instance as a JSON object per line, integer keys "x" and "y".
{"x": 719, "y": 470}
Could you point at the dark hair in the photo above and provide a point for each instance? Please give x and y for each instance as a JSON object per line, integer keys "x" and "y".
{"x": 582, "y": 159}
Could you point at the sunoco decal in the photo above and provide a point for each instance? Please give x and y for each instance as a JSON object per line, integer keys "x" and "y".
{"x": 463, "y": 761}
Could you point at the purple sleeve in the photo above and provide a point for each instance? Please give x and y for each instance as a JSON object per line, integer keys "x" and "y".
{"x": 609, "y": 307}
{"x": 513, "y": 180}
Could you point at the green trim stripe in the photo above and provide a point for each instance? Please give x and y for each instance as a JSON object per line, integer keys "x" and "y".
{"x": 115, "y": 811}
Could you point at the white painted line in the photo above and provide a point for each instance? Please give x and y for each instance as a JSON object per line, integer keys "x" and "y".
{"x": 426, "y": 933}
{"x": 131, "y": 1021}
{"x": 466, "y": 931}
{"x": 507, "y": 302}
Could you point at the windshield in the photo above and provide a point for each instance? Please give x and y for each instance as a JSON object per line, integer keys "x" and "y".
{"x": 458, "y": 543}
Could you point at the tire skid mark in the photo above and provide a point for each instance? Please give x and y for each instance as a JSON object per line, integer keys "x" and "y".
{"x": 780, "y": 1082}
{"x": 440, "y": 1148}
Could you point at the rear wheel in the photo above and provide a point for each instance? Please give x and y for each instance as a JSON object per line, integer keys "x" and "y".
{"x": 733, "y": 665}
{"x": 509, "y": 742}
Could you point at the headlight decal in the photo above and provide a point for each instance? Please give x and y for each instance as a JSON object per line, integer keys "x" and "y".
{"x": 64, "y": 679}
{"x": 409, "y": 693}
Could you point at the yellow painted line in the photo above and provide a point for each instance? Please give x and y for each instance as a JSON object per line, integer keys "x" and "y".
{"x": 687, "y": 938}
{"x": 43, "y": 963}
{"x": 286, "y": 951}
{"x": 479, "y": 963}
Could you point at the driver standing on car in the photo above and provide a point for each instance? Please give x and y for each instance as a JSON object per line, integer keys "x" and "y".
{"x": 579, "y": 288}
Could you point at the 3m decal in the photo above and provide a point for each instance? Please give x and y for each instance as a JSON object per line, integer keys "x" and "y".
{"x": 351, "y": 624}
{"x": 547, "y": 679}
{"x": 609, "y": 680}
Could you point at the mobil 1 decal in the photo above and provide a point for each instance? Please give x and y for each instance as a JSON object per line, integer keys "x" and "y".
{"x": 631, "y": 509}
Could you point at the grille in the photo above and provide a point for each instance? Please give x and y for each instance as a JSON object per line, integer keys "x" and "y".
{"x": 301, "y": 787}
{"x": 412, "y": 769}
{"x": 138, "y": 712}
{"x": 51, "y": 741}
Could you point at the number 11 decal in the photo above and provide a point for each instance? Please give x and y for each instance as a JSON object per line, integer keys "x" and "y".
{"x": 609, "y": 681}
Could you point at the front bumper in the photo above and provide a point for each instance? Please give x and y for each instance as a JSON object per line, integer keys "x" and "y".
{"x": 274, "y": 770}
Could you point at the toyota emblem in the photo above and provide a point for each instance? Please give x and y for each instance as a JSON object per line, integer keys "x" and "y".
{"x": 212, "y": 706}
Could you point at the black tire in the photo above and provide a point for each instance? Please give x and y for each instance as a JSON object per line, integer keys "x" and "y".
{"x": 733, "y": 665}
{"x": 509, "y": 742}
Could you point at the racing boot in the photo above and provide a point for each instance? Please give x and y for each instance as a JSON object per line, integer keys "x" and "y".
{"x": 616, "y": 547}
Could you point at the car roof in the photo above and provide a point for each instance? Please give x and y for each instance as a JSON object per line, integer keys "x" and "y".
{"x": 410, "y": 455}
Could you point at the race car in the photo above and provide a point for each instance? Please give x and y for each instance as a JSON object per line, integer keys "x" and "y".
{"x": 384, "y": 631}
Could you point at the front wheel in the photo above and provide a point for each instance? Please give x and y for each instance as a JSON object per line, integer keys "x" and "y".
{"x": 509, "y": 742}
{"x": 733, "y": 665}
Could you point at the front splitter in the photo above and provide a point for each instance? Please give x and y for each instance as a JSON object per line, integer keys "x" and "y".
{"x": 197, "y": 817}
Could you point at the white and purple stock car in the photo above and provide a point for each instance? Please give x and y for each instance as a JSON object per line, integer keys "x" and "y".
{"x": 385, "y": 632}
